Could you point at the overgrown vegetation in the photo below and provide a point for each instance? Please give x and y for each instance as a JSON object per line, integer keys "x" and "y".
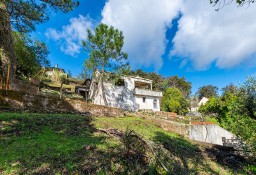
{"x": 235, "y": 110}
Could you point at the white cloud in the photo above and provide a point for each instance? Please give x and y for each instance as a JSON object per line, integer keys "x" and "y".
{"x": 71, "y": 35}
{"x": 144, "y": 24}
{"x": 226, "y": 37}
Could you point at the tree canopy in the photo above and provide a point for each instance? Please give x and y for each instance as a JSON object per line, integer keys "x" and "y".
{"x": 27, "y": 13}
{"x": 173, "y": 101}
{"x": 235, "y": 111}
{"x": 105, "y": 49}
{"x": 23, "y": 17}
{"x": 207, "y": 91}
{"x": 105, "y": 55}
{"x": 31, "y": 55}
{"x": 180, "y": 83}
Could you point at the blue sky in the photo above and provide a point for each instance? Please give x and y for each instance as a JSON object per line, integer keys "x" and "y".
{"x": 188, "y": 39}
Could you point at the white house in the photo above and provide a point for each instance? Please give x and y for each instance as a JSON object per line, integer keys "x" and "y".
{"x": 130, "y": 93}
{"x": 203, "y": 101}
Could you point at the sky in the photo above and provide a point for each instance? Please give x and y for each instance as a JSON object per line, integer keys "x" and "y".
{"x": 187, "y": 38}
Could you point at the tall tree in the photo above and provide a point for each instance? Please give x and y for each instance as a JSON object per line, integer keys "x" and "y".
{"x": 31, "y": 55}
{"x": 105, "y": 48}
{"x": 23, "y": 15}
{"x": 180, "y": 83}
{"x": 231, "y": 88}
{"x": 174, "y": 102}
{"x": 207, "y": 91}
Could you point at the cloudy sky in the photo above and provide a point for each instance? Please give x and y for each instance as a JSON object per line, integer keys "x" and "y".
{"x": 172, "y": 37}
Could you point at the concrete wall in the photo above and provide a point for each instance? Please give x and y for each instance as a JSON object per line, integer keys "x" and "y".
{"x": 209, "y": 133}
{"x": 121, "y": 97}
{"x": 148, "y": 104}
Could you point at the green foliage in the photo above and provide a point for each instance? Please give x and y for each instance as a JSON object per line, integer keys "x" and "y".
{"x": 31, "y": 55}
{"x": 180, "y": 83}
{"x": 27, "y": 14}
{"x": 207, "y": 91}
{"x": 105, "y": 48}
{"x": 173, "y": 101}
{"x": 235, "y": 111}
{"x": 231, "y": 88}
{"x": 249, "y": 96}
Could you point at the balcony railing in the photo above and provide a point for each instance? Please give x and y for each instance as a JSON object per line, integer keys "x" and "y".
{"x": 148, "y": 93}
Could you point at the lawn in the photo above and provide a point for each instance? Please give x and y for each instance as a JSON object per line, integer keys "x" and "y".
{"x": 72, "y": 144}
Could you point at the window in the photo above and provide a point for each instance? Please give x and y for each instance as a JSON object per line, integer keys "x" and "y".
{"x": 120, "y": 97}
{"x": 144, "y": 99}
{"x": 155, "y": 104}
{"x": 119, "y": 82}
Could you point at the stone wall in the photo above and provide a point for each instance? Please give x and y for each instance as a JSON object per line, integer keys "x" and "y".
{"x": 171, "y": 126}
{"x": 167, "y": 115}
{"x": 40, "y": 103}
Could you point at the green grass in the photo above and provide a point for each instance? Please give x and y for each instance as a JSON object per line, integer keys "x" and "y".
{"x": 30, "y": 141}
{"x": 71, "y": 144}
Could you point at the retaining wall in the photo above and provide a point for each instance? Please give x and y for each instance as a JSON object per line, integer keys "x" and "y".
{"x": 48, "y": 104}
{"x": 206, "y": 132}
{"x": 209, "y": 133}
{"x": 23, "y": 86}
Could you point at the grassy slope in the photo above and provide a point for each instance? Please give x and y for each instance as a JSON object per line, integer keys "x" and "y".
{"x": 68, "y": 144}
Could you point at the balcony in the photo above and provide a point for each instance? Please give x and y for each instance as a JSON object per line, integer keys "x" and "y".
{"x": 150, "y": 93}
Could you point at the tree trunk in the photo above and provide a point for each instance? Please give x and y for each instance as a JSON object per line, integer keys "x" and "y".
{"x": 103, "y": 91}
{"x": 6, "y": 42}
{"x": 61, "y": 90}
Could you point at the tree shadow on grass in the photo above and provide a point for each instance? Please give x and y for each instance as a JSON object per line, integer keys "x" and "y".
{"x": 181, "y": 156}
{"x": 60, "y": 144}
{"x": 31, "y": 142}
{"x": 228, "y": 157}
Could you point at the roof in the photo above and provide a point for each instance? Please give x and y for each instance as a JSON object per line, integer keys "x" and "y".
{"x": 203, "y": 101}
{"x": 140, "y": 78}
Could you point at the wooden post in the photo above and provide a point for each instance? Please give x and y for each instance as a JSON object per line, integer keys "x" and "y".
{"x": 8, "y": 77}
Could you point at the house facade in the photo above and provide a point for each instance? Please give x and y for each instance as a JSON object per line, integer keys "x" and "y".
{"x": 131, "y": 93}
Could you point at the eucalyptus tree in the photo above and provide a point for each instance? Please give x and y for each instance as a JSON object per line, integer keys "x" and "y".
{"x": 104, "y": 46}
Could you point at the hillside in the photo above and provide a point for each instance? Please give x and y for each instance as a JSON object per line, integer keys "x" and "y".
{"x": 72, "y": 144}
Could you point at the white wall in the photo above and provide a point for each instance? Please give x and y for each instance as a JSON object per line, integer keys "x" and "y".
{"x": 124, "y": 97}
{"x": 209, "y": 133}
{"x": 120, "y": 97}
{"x": 203, "y": 101}
{"x": 148, "y": 104}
